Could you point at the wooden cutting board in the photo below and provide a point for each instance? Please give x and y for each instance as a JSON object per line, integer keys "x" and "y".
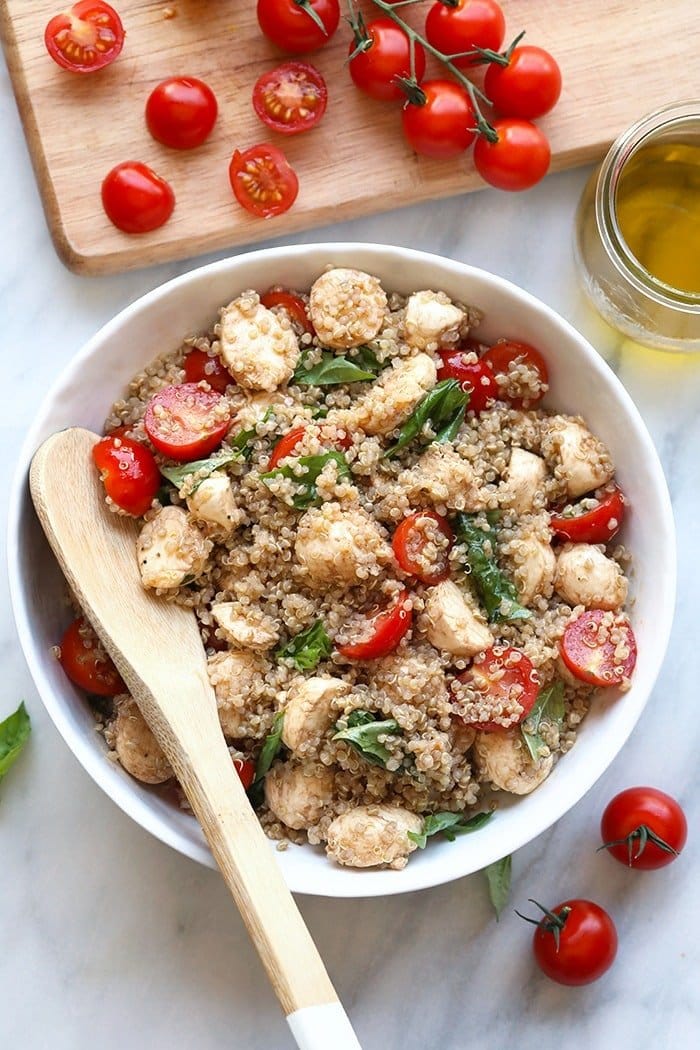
{"x": 619, "y": 59}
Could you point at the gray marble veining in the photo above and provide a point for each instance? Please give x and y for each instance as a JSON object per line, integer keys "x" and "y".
{"x": 112, "y": 940}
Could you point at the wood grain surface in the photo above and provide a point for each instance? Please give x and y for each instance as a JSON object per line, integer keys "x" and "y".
{"x": 619, "y": 59}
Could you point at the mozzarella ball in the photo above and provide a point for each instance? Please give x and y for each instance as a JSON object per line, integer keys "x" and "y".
{"x": 259, "y": 348}
{"x": 523, "y": 481}
{"x": 137, "y": 749}
{"x": 213, "y": 503}
{"x": 442, "y": 478}
{"x": 246, "y": 626}
{"x": 585, "y": 576}
{"x": 238, "y": 681}
{"x": 170, "y": 549}
{"x": 581, "y": 461}
{"x": 308, "y": 713}
{"x": 340, "y": 546}
{"x": 368, "y": 836}
{"x": 503, "y": 758}
{"x": 454, "y": 625}
{"x": 392, "y": 398}
{"x": 431, "y": 317}
{"x": 298, "y": 794}
{"x": 346, "y": 307}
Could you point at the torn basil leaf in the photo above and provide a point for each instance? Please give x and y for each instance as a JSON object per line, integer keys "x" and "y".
{"x": 307, "y": 494}
{"x": 333, "y": 370}
{"x": 363, "y": 732}
{"x": 179, "y": 473}
{"x": 548, "y": 706}
{"x": 308, "y": 648}
{"x": 496, "y": 592}
{"x": 498, "y": 878}
{"x": 14, "y": 733}
{"x": 448, "y": 824}
{"x": 443, "y": 408}
{"x": 269, "y": 752}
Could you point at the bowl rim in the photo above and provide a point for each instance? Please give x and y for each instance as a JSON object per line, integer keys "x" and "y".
{"x": 92, "y": 760}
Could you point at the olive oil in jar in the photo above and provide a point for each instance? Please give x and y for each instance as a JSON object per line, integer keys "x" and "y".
{"x": 658, "y": 211}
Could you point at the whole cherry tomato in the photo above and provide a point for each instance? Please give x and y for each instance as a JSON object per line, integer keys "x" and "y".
{"x": 181, "y": 112}
{"x": 377, "y": 66}
{"x": 291, "y": 98}
{"x": 135, "y": 199}
{"x": 263, "y": 181}
{"x": 465, "y": 25}
{"x": 528, "y": 87}
{"x": 200, "y": 367}
{"x": 86, "y": 663}
{"x": 575, "y": 942}
{"x": 643, "y": 828}
{"x": 129, "y": 473}
{"x": 298, "y": 25}
{"x": 186, "y": 422}
{"x": 518, "y": 160}
{"x": 85, "y": 37}
{"x": 443, "y": 125}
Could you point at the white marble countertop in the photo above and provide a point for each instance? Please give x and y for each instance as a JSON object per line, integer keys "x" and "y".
{"x": 112, "y": 940}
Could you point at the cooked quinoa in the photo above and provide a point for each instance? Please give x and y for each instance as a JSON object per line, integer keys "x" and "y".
{"x": 283, "y": 538}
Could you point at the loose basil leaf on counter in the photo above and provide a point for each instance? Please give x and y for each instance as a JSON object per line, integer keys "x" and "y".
{"x": 14, "y": 733}
{"x": 332, "y": 370}
{"x": 362, "y": 733}
{"x": 307, "y": 495}
{"x": 449, "y": 824}
{"x": 549, "y": 705}
{"x": 443, "y": 408}
{"x": 178, "y": 474}
{"x": 497, "y": 593}
{"x": 308, "y": 648}
{"x": 498, "y": 877}
{"x": 270, "y": 750}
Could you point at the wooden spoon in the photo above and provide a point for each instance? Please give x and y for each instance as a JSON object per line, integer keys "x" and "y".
{"x": 158, "y": 650}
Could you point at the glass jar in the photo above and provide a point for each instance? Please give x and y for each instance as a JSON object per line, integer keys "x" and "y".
{"x": 627, "y": 296}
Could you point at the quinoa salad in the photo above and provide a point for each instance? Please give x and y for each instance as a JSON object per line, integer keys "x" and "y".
{"x": 404, "y": 569}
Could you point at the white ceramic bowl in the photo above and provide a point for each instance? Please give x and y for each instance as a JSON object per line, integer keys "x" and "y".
{"x": 580, "y": 383}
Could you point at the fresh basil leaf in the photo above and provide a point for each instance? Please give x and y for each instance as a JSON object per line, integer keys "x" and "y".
{"x": 364, "y": 737}
{"x": 498, "y": 877}
{"x": 443, "y": 408}
{"x": 497, "y": 593}
{"x": 449, "y": 824}
{"x": 321, "y": 412}
{"x": 549, "y": 705}
{"x": 14, "y": 733}
{"x": 269, "y": 752}
{"x": 308, "y": 648}
{"x": 333, "y": 370}
{"x": 178, "y": 474}
{"x": 307, "y": 495}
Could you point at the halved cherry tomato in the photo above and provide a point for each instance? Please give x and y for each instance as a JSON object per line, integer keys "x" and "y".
{"x": 410, "y": 539}
{"x": 263, "y": 180}
{"x": 475, "y": 378}
{"x": 644, "y": 828}
{"x": 385, "y": 629}
{"x": 464, "y": 25}
{"x": 289, "y": 441}
{"x": 518, "y": 160}
{"x": 86, "y": 663}
{"x": 504, "y": 353}
{"x": 186, "y": 422}
{"x": 291, "y": 303}
{"x": 505, "y": 674}
{"x": 442, "y": 126}
{"x": 129, "y": 473}
{"x": 181, "y": 112}
{"x": 588, "y": 651}
{"x": 246, "y": 771}
{"x": 291, "y": 98}
{"x": 298, "y": 25}
{"x": 593, "y": 526}
{"x": 135, "y": 199}
{"x": 377, "y": 68}
{"x": 575, "y": 942}
{"x": 528, "y": 87}
{"x": 85, "y": 37}
{"x": 202, "y": 367}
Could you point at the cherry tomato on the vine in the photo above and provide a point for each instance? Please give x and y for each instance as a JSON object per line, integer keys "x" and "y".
{"x": 593, "y": 526}
{"x": 518, "y": 160}
{"x": 200, "y": 366}
{"x": 643, "y": 828}
{"x": 377, "y": 68}
{"x": 592, "y": 651}
{"x": 181, "y": 112}
{"x": 528, "y": 87}
{"x": 475, "y": 377}
{"x": 263, "y": 180}
{"x": 466, "y": 25}
{"x": 575, "y": 942}
{"x": 135, "y": 199}
{"x": 298, "y": 25}
{"x": 290, "y": 98}
{"x": 410, "y": 540}
{"x": 186, "y": 422}
{"x": 386, "y": 626}
{"x": 444, "y": 125}
{"x": 129, "y": 473}
{"x": 86, "y": 663}
{"x": 293, "y": 305}
{"x": 85, "y": 37}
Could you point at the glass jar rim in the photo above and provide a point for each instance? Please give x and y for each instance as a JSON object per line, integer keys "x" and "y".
{"x": 619, "y": 154}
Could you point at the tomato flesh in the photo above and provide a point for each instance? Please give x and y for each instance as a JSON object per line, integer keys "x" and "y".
{"x": 291, "y": 98}
{"x": 386, "y": 628}
{"x": 466, "y": 25}
{"x": 181, "y": 112}
{"x": 410, "y": 539}
{"x": 246, "y": 771}
{"x": 590, "y": 654}
{"x": 135, "y": 199}
{"x": 444, "y": 125}
{"x": 288, "y": 24}
{"x": 587, "y": 943}
{"x": 201, "y": 367}
{"x": 85, "y": 665}
{"x": 129, "y": 473}
{"x": 86, "y": 37}
{"x": 528, "y": 87}
{"x": 643, "y": 807}
{"x": 475, "y": 378}
{"x": 289, "y": 441}
{"x": 503, "y": 676}
{"x": 187, "y": 422}
{"x": 377, "y": 68}
{"x": 263, "y": 181}
{"x": 518, "y": 160}
{"x": 293, "y": 305}
{"x": 593, "y": 526}
{"x": 505, "y": 353}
